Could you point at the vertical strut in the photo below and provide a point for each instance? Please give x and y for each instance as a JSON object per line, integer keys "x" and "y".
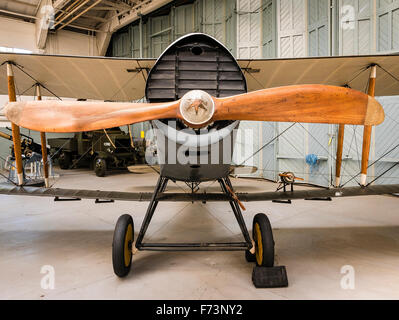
{"x": 160, "y": 187}
{"x": 338, "y": 161}
{"x": 237, "y": 211}
{"x": 367, "y": 130}
{"x": 16, "y": 135}
{"x": 43, "y": 143}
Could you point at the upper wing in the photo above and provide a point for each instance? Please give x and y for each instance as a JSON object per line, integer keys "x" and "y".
{"x": 121, "y": 79}
{"x": 77, "y": 77}
{"x": 337, "y": 71}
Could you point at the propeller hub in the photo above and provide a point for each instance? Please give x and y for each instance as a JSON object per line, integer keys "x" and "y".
{"x": 197, "y": 108}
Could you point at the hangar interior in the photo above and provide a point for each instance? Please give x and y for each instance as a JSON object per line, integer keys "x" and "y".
{"x": 251, "y": 30}
{"x": 322, "y": 238}
{"x": 286, "y": 29}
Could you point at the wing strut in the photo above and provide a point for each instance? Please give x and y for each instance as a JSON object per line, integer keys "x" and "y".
{"x": 338, "y": 161}
{"x": 366, "y": 139}
{"x": 16, "y": 135}
{"x": 43, "y": 143}
{"x": 367, "y": 130}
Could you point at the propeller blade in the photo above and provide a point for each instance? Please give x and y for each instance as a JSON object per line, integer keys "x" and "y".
{"x": 302, "y": 103}
{"x": 74, "y": 116}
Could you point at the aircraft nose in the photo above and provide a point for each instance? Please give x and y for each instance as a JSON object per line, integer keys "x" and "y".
{"x": 197, "y": 108}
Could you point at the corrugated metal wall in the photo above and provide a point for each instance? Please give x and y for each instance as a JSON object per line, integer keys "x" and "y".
{"x": 291, "y": 24}
{"x": 356, "y": 34}
{"x": 249, "y": 47}
{"x": 388, "y": 25}
{"x": 268, "y": 28}
{"x": 214, "y": 17}
{"x": 289, "y": 28}
{"x": 318, "y": 27}
{"x": 364, "y": 27}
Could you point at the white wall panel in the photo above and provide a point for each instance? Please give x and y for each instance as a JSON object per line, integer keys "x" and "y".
{"x": 249, "y": 47}
{"x": 388, "y": 25}
{"x": 160, "y": 34}
{"x": 213, "y": 18}
{"x": 268, "y": 28}
{"x": 355, "y": 27}
{"x": 248, "y": 29}
{"x": 184, "y": 21}
{"x": 268, "y": 165}
{"x": 291, "y": 149}
{"x": 318, "y": 28}
{"x": 385, "y": 141}
{"x": 291, "y": 35}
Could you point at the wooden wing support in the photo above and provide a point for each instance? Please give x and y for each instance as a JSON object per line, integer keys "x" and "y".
{"x": 366, "y": 139}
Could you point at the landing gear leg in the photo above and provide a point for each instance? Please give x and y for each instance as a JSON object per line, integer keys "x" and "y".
{"x": 161, "y": 186}
{"x": 250, "y": 257}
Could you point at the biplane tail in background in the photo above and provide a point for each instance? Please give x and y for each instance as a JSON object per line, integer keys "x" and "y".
{"x": 199, "y": 85}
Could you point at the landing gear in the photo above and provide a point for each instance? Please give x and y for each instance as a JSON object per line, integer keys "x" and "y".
{"x": 250, "y": 257}
{"x": 264, "y": 244}
{"x": 122, "y": 245}
{"x": 65, "y": 160}
{"x": 100, "y": 167}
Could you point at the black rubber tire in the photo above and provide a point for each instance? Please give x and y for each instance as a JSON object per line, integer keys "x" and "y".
{"x": 65, "y": 160}
{"x": 250, "y": 257}
{"x": 118, "y": 246}
{"x": 265, "y": 256}
{"x": 100, "y": 167}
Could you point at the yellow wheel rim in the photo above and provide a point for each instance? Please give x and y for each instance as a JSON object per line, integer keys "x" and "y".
{"x": 128, "y": 240}
{"x": 259, "y": 246}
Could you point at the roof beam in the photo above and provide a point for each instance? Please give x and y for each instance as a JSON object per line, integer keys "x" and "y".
{"x": 59, "y": 4}
{"x": 123, "y": 18}
{"x": 25, "y": 3}
{"x": 80, "y": 13}
{"x": 101, "y": 8}
{"x": 94, "y": 18}
{"x": 71, "y": 12}
{"x": 117, "y": 5}
{"x": 17, "y": 14}
{"x": 44, "y": 18}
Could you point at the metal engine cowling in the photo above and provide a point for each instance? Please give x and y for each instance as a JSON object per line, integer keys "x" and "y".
{"x": 195, "y": 62}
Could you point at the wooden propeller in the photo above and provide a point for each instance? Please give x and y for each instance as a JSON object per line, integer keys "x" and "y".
{"x": 302, "y": 103}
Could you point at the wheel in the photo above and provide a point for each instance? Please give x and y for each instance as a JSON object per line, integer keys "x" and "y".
{"x": 122, "y": 245}
{"x": 100, "y": 167}
{"x": 250, "y": 257}
{"x": 264, "y": 244}
{"x": 65, "y": 160}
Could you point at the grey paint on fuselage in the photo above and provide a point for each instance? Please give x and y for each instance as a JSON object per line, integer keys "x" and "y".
{"x": 196, "y": 61}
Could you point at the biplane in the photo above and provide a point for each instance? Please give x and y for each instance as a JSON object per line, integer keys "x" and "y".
{"x": 196, "y": 94}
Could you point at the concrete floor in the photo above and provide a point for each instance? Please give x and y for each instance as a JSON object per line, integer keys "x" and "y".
{"x": 314, "y": 240}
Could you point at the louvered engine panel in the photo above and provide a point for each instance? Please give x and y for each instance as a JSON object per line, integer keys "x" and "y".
{"x": 195, "y": 63}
